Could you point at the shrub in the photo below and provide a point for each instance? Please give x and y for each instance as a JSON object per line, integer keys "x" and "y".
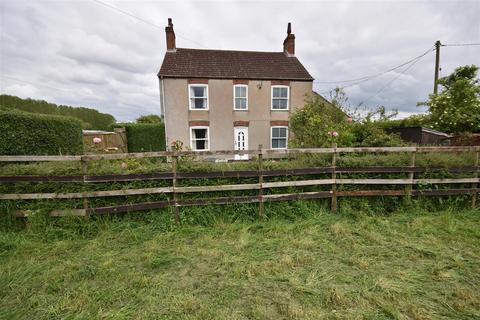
{"x": 144, "y": 137}
{"x": 316, "y": 125}
{"x": 369, "y": 134}
{"x": 22, "y": 133}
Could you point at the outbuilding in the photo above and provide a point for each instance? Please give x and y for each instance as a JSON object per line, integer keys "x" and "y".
{"x": 421, "y": 135}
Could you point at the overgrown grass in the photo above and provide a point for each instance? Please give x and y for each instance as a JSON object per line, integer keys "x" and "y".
{"x": 188, "y": 164}
{"x": 301, "y": 263}
{"x": 377, "y": 204}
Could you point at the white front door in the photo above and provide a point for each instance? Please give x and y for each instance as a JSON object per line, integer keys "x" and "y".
{"x": 240, "y": 136}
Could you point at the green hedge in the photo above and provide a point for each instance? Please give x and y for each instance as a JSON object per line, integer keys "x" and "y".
{"x": 23, "y": 133}
{"x": 144, "y": 137}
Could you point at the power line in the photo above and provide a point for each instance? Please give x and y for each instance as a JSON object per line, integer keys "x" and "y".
{"x": 369, "y": 77}
{"x": 365, "y": 79}
{"x": 390, "y": 82}
{"x": 144, "y": 21}
{"x": 412, "y": 63}
{"x": 394, "y": 68}
{"x": 460, "y": 44}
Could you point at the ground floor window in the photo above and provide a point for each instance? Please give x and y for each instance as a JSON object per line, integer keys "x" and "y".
{"x": 199, "y": 138}
{"x": 279, "y": 137}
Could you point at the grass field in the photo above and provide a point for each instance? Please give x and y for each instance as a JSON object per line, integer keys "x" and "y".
{"x": 320, "y": 266}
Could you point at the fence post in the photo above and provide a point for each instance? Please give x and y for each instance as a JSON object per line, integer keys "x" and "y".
{"x": 84, "y": 164}
{"x": 334, "y": 205}
{"x": 411, "y": 176}
{"x": 122, "y": 133}
{"x": 174, "y": 187}
{"x": 475, "y": 185}
{"x": 261, "y": 205}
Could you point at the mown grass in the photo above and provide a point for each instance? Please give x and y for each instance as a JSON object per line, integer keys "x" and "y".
{"x": 316, "y": 265}
{"x": 301, "y": 263}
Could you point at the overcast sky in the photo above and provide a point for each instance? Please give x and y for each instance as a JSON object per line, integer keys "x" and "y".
{"x": 84, "y": 53}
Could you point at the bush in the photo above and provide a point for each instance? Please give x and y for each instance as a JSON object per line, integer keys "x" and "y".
{"x": 370, "y": 134}
{"x": 144, "y": 137}
{"x": 22, "y": 133}
{"x": 316, "y": 125}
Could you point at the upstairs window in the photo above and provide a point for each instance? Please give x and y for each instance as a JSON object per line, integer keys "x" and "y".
{"x": 240, "y": 97}
{"x": 279, "y": 137}
{"x": 199, "y": 138}
{"x": 198, "y": 94}
{"x": 280, "y": 97}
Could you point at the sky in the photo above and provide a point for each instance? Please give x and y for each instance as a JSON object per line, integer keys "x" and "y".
{"x": 86, "y": 53}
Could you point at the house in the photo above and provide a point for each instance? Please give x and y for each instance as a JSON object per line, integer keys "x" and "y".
{"x": 420, "y": 135}
{"x": 224, "y": 100}
{"x": 324, "y": 100}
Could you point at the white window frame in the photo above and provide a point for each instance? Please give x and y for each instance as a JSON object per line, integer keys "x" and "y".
{"x": 234, "y": 97}
{"x": 288, "y": 98}
{"x": 208, "y": 137}
{"x": 271, "y": 137}
{"x": 190, "y": 107}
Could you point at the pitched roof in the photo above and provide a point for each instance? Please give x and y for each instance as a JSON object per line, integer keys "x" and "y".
{"x": 226, "y": 64}
{"x": 325, "y": 100}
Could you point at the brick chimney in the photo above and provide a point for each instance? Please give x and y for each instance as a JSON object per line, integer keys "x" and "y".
{"x": 170, "y": 35}
{"x": 289, "y": 42}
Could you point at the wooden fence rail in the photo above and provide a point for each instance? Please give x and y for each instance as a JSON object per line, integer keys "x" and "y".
{"x": 232, "y": 187}
{"x": 264, "y": 152}
{"x": 231, "y": 174}
{"x": 331, "y": 176}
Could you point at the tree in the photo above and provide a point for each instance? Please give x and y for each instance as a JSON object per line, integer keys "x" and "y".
{"x": 456, "y": 108}
{"x": 91, "y": 118}
{"x": 151, "y": 118}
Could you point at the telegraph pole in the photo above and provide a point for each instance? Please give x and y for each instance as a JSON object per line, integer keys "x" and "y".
{"x": 437, "y": 65}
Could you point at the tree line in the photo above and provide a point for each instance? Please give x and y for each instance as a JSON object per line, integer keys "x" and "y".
{"x": 91, "y": 118}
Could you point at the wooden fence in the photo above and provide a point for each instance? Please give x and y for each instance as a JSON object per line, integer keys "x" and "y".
{"x": 333, "y": 171}
{"x": 110, "y": 142}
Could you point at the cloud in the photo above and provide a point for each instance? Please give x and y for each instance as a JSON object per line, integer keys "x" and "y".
{"x": 87, "y": 49}
{"x": 86, "y": 54}
{"x": 22, "y": 90}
